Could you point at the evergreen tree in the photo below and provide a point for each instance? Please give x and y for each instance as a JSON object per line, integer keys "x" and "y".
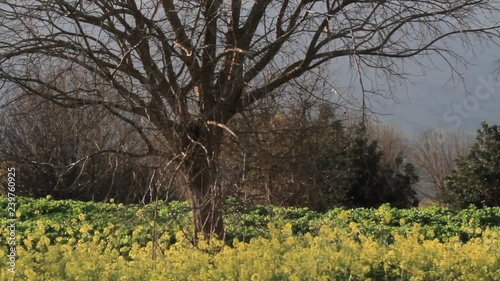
{"x": 354, "y": 176}
{"x": 477, "y": 177}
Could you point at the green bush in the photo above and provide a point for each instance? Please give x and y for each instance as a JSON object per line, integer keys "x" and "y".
{"x": 476, "y": 180}
{"x": 353, "y": 175}
{"x": 65, "y": 219}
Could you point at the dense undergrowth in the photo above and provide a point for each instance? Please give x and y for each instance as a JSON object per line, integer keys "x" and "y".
{"x": 70, "y": 240}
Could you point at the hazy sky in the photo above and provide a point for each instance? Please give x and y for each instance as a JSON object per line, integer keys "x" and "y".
{"x": 435, "y": 101}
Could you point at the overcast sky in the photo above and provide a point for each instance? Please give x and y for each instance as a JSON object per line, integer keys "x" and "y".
{"x": 435, "y": 101}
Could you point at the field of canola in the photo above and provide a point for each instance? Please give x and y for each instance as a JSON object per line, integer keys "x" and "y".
{"x": 69, "y": 240}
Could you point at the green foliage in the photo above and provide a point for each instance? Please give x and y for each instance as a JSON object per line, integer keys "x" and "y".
{"x": 476, "y": 179}
{"x": 352, "y": 174}
{"x": 67, "y": 218}
{"x": 87, "y": 220}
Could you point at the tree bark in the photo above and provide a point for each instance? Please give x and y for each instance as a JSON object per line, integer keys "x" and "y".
{"x": 201, "y": 173}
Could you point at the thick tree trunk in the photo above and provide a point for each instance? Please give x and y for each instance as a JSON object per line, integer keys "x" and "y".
{"x": 206, "y": 202}
{"x": 200, "y": 172}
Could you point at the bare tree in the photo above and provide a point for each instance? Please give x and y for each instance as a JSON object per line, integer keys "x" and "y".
{"x": 434, "y": 155}
{"x": 185, "y": 68}
{"x": 392, "y": 143}
{"x": 60, "y": 152}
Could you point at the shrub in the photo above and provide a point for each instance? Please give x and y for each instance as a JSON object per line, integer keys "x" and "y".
{"x": 476, "y": 180}
{"x": 354, "y": 176}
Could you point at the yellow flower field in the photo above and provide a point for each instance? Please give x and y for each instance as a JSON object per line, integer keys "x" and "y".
{"x": 333, "y": 254}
